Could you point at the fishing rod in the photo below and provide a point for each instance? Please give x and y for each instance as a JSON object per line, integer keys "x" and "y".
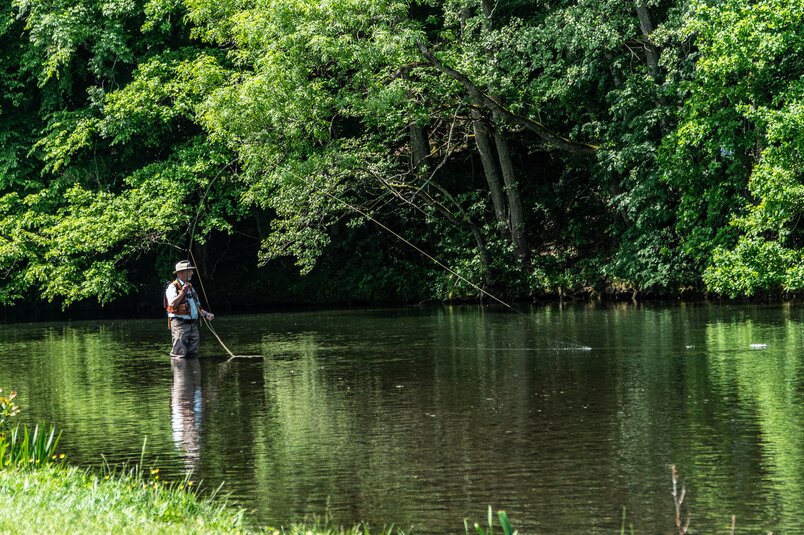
{"x": 206, "y": 321}
{"x": 192, "y": 257}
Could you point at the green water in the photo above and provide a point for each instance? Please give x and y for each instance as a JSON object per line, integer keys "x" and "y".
{"x": 424, "y": 417}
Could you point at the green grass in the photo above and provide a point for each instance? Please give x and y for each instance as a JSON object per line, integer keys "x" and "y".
{"x": 505, "y": 525}
{"x": 39, "y": 494}
{"x": 53, "y": 499}
{"x": 60, "y": 499}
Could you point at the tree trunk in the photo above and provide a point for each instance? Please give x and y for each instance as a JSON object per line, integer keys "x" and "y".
{"x": 420, "y": 147}
{"x": 483, "y": 142}
{"x": 646, "y": 25}
{"x": 483, "y": 100}
{"x": 480, "y": 242}
{"x": 515, "y": 210}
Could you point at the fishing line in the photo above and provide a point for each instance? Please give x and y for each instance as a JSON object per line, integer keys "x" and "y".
{"x": 192, "y": 257}
{"x": 580, "y": 347}
{"x": 206, "y": 322}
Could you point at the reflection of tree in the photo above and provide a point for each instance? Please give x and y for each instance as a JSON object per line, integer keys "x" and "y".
{"x": 766, "y": 382}
{"x": 64, "y": 376}
{"x": 185, "y": 409}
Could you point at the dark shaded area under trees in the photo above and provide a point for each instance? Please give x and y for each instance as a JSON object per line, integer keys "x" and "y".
{"x": 538, "y": 149}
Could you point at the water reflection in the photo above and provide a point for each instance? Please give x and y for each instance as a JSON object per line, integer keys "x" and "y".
{"x": 186, "y": 409}
{"x": 423, "y": 417}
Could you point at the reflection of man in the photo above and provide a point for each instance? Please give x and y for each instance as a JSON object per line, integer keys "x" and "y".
{"x": 185, "y": 409}
{"x": 184, "y": 308}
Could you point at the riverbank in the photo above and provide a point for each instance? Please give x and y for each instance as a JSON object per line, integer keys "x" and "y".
{"x": 59, "y": 499}
{"x": 56, "y": 499}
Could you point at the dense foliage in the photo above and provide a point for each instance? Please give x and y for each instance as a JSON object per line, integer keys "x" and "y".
{"x": 532, "y": 147}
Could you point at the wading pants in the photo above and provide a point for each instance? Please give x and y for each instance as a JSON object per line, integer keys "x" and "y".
{"x": 184, "y": 334}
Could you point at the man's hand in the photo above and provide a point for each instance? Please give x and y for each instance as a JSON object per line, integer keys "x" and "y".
{"x": 209, "y": 315}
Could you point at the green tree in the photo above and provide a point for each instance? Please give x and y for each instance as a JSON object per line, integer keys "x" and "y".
{"x": 749, "y": 76}
{"x": 117, "y": 166}
{"x": 570, "y": 146}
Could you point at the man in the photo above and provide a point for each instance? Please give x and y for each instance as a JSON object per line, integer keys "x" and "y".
{"x": 184, "y": 309}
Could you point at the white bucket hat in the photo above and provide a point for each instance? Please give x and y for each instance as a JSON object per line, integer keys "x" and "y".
{"x": 183, "y": 265}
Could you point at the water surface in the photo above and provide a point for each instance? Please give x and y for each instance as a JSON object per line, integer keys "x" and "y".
{"x": 424, "y": 417}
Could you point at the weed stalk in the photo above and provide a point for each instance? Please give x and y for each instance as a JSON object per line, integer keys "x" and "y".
{"x": 678, "y": 499}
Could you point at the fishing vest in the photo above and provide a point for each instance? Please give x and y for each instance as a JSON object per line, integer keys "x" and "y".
{"x": 182, "y": 306}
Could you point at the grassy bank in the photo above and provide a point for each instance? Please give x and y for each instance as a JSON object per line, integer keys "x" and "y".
{"x": 60, "y": 500}
{"x": 55, "y": 499}
{"x": 39, "y": 494}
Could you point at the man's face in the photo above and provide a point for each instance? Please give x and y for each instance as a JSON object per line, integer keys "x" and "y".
{"x": 186, "y": 274}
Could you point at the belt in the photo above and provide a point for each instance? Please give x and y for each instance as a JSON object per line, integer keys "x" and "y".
{"x": 184, "y": 320}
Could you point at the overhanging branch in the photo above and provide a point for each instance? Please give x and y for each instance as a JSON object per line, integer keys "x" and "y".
{"x": 481, "y": 98}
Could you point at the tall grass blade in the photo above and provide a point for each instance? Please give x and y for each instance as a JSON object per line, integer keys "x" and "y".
{"x": 491, "y": 521}
{"x": 505, "y": 523}
{"x": 23, "y": 448}
{"x": 622, "y": 523}
{"x": 142, "y": 452}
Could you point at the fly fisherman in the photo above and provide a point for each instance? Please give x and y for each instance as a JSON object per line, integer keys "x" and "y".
{"x": 184, "y": 308}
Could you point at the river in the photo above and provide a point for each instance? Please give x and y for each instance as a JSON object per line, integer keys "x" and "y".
{"x": 566, "y": 417}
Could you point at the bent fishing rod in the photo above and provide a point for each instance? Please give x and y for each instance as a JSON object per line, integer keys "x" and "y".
{"x": 398, "y": 236}
{"x": 206, "y": 321}
{"x": 192, "y": 257}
